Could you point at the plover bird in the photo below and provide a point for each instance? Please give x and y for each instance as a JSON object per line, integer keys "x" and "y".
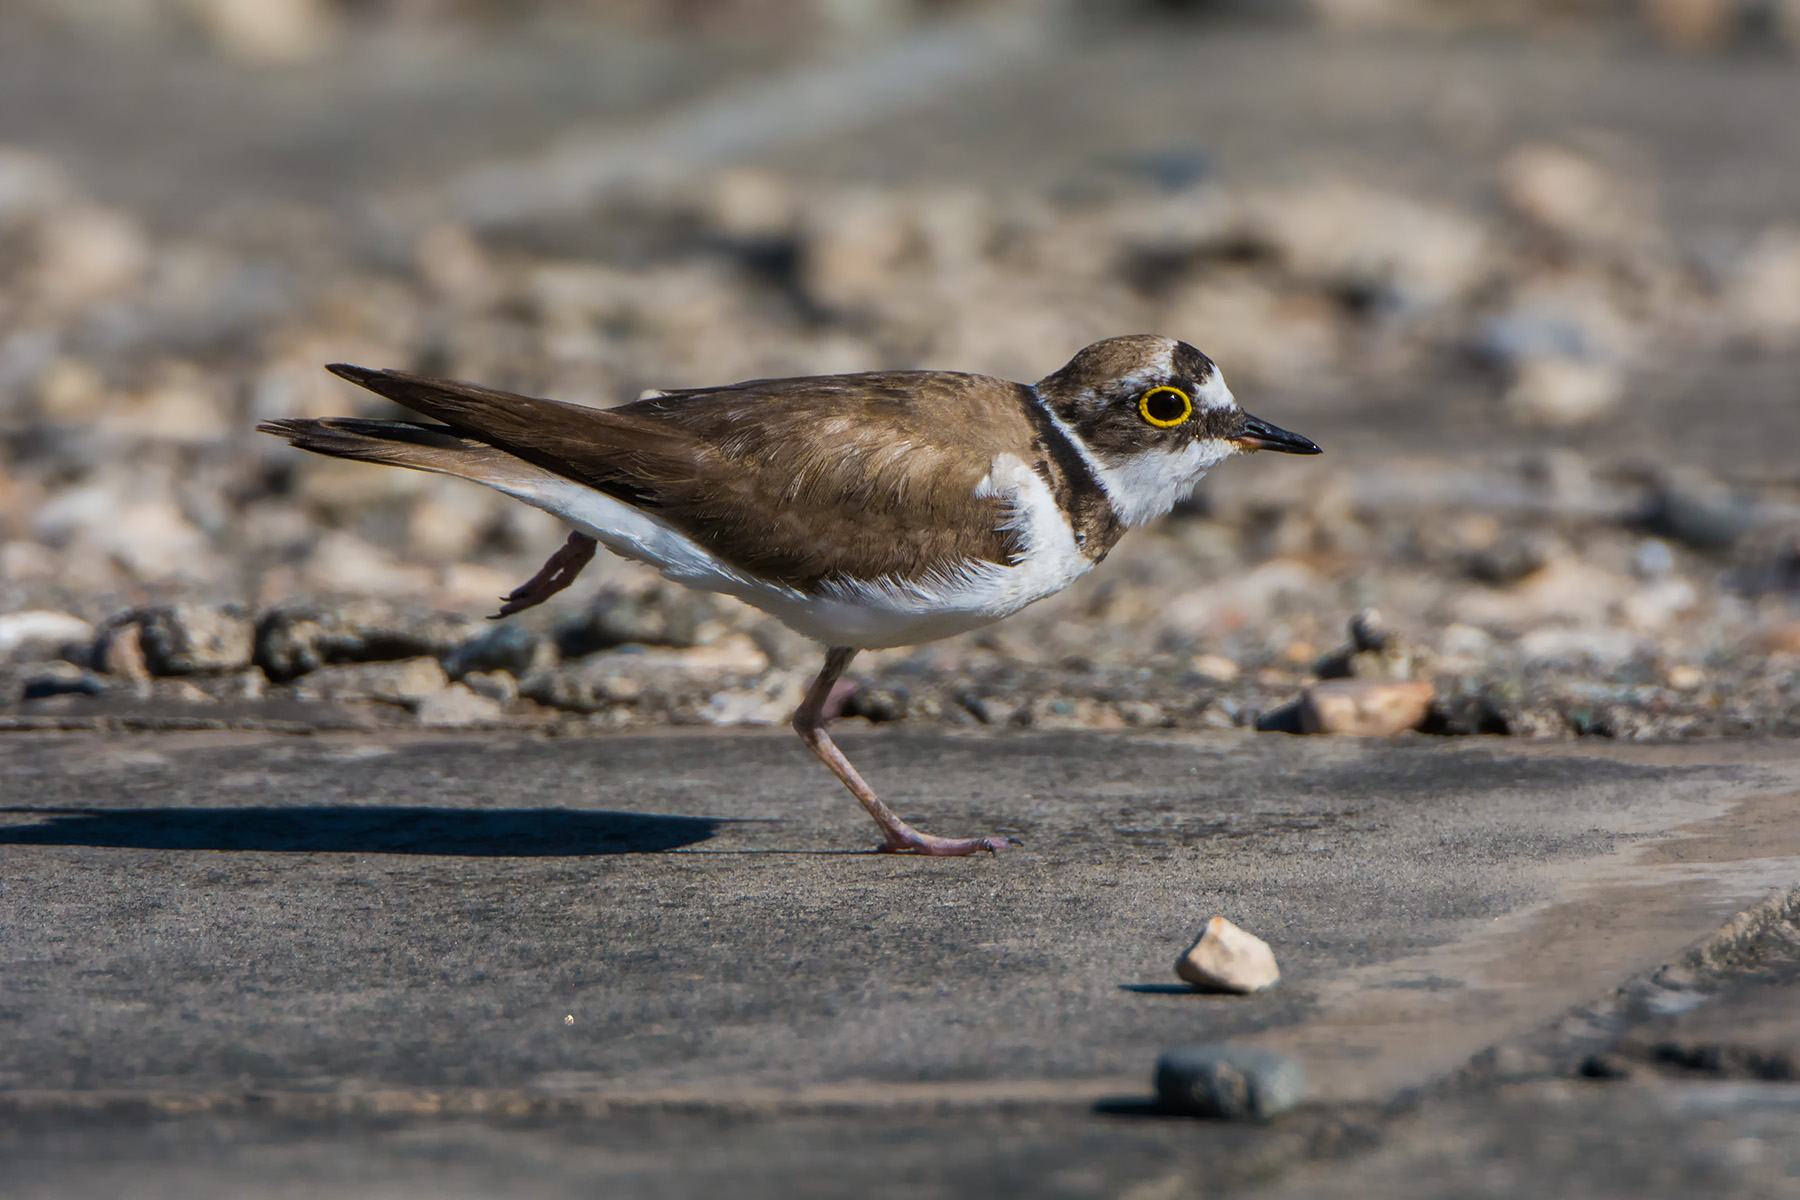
{"x": 864, "y": 511}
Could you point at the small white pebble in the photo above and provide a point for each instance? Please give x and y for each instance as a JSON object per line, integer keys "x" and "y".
{"x": 1684, "y": 678}
{"x": 1226, "y": 958}
{"x": 1215, "y": 666}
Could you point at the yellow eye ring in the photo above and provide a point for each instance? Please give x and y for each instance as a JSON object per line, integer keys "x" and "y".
{"x": 1165, "y": 407}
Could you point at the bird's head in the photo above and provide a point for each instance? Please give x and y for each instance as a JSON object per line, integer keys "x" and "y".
{"x": 1153, "y": 415}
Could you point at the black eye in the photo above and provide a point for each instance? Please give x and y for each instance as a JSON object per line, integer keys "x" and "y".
{"x": 1165, "y": 407}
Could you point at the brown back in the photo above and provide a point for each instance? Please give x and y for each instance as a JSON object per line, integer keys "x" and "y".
{"x": 803, "y": 481}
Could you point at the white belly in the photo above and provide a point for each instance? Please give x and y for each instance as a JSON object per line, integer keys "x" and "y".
{"x": 866, "y": 615}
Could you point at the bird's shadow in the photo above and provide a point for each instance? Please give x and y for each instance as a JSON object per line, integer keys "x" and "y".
{"x": 363, "y": 829}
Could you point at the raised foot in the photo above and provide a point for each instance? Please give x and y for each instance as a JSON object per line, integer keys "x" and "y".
{"x": 913, "y": 842}
{"x": 551, "y": 578}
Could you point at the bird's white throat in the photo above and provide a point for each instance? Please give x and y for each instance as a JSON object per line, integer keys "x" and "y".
{"x": 1144, "y": 486}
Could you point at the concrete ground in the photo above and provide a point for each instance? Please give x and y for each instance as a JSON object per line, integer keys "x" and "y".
{"x": 247, "y": 965}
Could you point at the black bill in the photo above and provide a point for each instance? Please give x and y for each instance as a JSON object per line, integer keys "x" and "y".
{"x": 1258, "y": 434}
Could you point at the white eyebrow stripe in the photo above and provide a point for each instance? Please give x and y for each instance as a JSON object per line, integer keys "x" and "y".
{"x": 1214, "y": 394}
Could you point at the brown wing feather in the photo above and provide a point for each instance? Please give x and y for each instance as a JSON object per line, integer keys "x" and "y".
{"x": 866, "y": 476}
{"x": 799, "y": 480}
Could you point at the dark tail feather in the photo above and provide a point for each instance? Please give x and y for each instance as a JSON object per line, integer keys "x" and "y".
{"x": 396, "y": 444}
{"x": 496, "y": 417}
{"x": 605, "y": 449}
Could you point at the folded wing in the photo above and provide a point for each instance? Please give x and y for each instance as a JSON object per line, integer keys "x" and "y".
{"x": 801, "y": 481}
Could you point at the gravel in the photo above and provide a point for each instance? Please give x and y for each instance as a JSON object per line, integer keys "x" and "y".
{"x": 1535, "y": 589}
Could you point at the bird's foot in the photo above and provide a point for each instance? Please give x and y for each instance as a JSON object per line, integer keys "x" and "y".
{"x": 551, "y": 578}
{"x": 911, "y": 841}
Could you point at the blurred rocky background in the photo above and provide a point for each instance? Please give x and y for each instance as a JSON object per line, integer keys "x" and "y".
{"x": 1529, "y": 271}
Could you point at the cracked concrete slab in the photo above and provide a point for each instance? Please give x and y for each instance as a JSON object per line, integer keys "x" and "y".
{"x": 276, "y": 932}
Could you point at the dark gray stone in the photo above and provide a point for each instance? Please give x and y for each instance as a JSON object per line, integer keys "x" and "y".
{"x": 293, "y": 641}
{"x": 1236, "y": 1083}
{"x": 192, "y": 639}
{"x": 664, "y": 615}
{"x": 502, "y": 647}
{"x": 60, "y": 679}
{"x": 1697, "y": 511}
{"x": 877, "y": 703}
{"x": 1512, "y": 557}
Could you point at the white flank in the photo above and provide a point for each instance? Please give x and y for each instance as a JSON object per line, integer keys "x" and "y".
{"x": 890, "y": 612}
{"x": 867, "y": 615}
{"x": 628, "y": 532}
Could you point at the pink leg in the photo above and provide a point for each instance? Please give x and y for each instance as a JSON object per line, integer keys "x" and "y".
{"x": 551, "y": 578}
{"x": 900, "y": 838}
